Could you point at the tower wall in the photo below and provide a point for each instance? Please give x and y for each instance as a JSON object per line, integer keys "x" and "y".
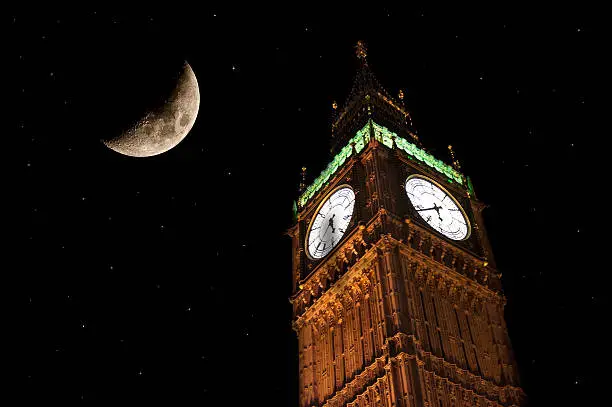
{"x": 399, "y": 328}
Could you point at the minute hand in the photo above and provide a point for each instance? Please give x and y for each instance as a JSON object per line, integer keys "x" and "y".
{"x": 428, "y": 209}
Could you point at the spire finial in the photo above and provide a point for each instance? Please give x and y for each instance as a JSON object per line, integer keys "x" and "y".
{"x": 361, "y": 51}
{"x": 303, "y": 181}
{"x": 456, "y": 163}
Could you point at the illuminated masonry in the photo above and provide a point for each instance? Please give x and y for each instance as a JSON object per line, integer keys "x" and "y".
{"x": 390, "y": 310}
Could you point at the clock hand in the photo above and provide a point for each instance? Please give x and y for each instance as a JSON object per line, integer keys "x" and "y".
{"x": 437, "y": 208}
{"x": 331, "y": 223}
{"x": 428, "y": 209}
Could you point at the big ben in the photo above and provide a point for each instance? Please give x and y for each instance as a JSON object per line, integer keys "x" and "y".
{"x": 396, "y": 297}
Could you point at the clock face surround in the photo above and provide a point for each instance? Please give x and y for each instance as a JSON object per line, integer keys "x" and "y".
{"x": 437, "y": 207}
{"x": 330, "y": 222}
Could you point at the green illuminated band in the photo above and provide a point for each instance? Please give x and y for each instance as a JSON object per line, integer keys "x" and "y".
{"x": 470, "y": 186}
{"x": 386, "y": 137}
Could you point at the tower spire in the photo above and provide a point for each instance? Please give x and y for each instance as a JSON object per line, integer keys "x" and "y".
{"x": 303, "y": 180}
{"x": 368, "y": 99}
{"x": 361, "y": 51}
{"x": 454, "y": 160}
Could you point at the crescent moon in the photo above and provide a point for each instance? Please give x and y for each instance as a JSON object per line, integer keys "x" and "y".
{"x": 162, "y": 129}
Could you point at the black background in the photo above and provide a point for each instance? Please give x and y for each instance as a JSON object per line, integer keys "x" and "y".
{"x": 166, "y": 279}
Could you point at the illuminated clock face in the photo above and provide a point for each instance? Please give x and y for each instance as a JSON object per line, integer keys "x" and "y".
{"x": 438, "y": 208}
{"x": 330, "y": 223}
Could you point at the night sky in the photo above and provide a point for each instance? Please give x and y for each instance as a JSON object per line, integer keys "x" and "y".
{"x": 166, "y": 279}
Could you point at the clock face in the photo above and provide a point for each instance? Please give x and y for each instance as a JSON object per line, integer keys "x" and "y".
{"x": 330, "y": 223}
{"x": 438, "y": 208}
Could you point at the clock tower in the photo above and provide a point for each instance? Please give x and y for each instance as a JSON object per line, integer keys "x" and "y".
{"x": 396, "y": 298}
